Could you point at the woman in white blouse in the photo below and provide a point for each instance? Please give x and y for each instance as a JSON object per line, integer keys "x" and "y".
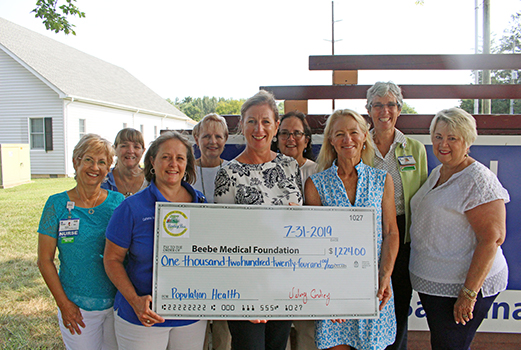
{"x": 210, "y": 136}
{"x": 458, "y": 225}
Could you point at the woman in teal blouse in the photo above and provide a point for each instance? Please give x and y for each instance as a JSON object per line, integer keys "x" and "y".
{"x": 75, "y": 222}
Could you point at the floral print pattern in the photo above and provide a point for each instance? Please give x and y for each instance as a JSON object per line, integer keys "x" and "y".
{"x": 273, "y": 183}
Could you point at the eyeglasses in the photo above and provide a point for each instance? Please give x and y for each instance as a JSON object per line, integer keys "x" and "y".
{"x": 89, "y": 161}
{"x": 391, "y": 106}
{"x": 285, "y": 134}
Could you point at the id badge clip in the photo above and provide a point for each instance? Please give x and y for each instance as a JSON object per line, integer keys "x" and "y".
{"x": 407, "y": 163}
{"x": 68, "y": 230}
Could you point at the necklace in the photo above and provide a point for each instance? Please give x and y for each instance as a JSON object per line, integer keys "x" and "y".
{"x": 201, "y": 172}
{"x": 91, "y": 210}
{"x": 127, "y": 192}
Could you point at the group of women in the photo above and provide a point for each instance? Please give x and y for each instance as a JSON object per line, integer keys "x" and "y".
{"x": 440, "y": 235}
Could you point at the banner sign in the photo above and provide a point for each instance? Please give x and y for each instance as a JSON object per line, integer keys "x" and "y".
{"x": 215, "y": 261}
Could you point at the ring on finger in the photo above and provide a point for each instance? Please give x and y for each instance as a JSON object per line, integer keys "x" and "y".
{"x": 68, "y": 325}
{"x": 148, "y": 321}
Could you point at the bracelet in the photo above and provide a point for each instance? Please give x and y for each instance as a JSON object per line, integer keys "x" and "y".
{"x": 470, "y": 294}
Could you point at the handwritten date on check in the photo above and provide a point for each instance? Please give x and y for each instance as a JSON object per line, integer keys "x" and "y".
{"x": 215, "y": 261}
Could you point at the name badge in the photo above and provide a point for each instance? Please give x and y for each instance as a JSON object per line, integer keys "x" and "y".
{"x": 407, "y": 163}
{"x": 69, "y": 228}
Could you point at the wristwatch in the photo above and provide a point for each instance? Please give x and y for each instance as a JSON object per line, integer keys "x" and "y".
{"x": 469, "y": 292}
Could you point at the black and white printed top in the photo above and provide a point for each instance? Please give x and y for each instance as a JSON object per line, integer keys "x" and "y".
{"x": 277, "y": 182}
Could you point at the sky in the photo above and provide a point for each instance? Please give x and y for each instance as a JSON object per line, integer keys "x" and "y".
{"x": 229, "y": 48}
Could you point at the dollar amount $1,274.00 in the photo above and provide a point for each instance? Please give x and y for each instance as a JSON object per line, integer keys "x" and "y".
{"x": 351, "y": 251}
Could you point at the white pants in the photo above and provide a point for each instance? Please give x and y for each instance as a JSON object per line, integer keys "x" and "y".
{"x": 98, "y": 333}
{"x": 134, "y": 337}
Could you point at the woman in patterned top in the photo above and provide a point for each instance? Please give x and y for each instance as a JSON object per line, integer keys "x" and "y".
{"x": 405, "y": 159}
{"x": 346, "y": 180}
{"x": 259, "y": 176}
{"x": 458, "y": 225}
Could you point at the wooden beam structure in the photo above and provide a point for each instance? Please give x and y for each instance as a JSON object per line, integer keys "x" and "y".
{"x": 354, "y": 92}
{"x": 488, "y": 124}
{"x": 412, "y": 123}
{"x": 421, "y": 62}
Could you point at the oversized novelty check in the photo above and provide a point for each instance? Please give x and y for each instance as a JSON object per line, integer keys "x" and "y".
{"x": 215, "y": 261}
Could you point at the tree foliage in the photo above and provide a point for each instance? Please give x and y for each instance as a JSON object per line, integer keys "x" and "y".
{"x": 49, "y": 12}
{"x": 509, "y": 43}
{"x": 406, "y": 109}
{"x": 197, "y": 108}
{"x": 229, "y": 106}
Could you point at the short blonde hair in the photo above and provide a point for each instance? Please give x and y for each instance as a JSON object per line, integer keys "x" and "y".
{"x": 459, "y": 122}
{"x": 327, "y": 152}
{"x": 212, "y": 117}
{"x": 95, "y": 144}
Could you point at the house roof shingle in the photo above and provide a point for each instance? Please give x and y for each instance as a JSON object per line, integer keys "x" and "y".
{"x": 79, "y": 75}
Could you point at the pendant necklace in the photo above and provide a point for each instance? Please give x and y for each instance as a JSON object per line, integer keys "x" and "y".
{"x": 202, "y": 177}
{"x": 91, "y": 209}
{"x": 127, "y": 193}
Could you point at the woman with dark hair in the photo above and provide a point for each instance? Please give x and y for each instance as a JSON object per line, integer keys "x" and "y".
{"x": 127, "y": 177}
{"x": 74, "y": 222}
{"x": 170, "y": 169}
{"x": 259, "y": 176}
{"x": 294, "y": 140}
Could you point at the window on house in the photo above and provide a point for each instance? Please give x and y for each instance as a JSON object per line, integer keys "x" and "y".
{"x": 41, "y": 133}
{"x": 82, "y": 127}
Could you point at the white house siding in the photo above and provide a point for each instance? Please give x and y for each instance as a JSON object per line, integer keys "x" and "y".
{"x": 107, "y": 122}
{"x": 24, "y": 96}
{"x": 149, "y": 121}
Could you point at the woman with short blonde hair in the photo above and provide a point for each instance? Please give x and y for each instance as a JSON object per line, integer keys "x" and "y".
{"x": 74, "y": 222}
{"x": 458, "y": 225}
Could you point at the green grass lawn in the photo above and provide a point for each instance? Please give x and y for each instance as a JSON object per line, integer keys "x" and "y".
{"x": 27, "y": 308}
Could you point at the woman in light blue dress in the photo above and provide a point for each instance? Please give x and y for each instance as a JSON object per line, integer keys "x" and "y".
{"x": 345, "y": 180}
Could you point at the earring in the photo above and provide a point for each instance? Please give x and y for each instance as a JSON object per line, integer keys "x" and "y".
{"x": 152, "y": 171}
{"x": 274, "y": 139}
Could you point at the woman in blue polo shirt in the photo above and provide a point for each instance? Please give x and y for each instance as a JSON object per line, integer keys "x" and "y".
{"x": 168, "y": 163}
